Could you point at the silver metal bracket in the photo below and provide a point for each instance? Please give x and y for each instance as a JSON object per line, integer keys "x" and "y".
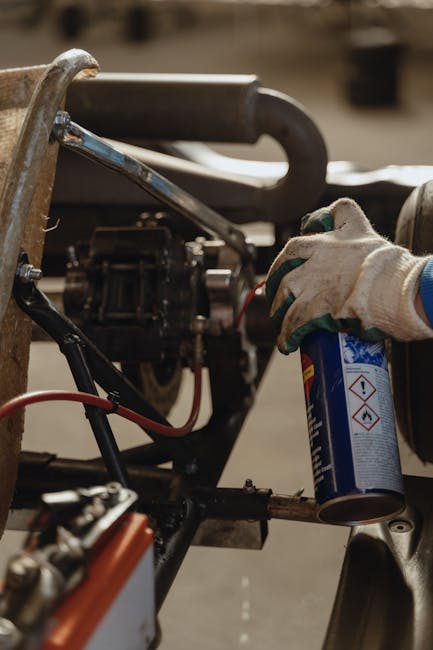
{"x": 74, "y": 137}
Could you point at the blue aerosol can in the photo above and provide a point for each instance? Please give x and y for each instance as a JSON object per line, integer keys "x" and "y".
{"x": 354, "y": 451}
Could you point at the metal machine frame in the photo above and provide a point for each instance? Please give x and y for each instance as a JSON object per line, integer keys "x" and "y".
{"x": 386, "y": 563}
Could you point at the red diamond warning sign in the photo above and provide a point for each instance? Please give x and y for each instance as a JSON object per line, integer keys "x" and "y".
{"x": 366, "y": 417}
{"x": 362, "y": 388}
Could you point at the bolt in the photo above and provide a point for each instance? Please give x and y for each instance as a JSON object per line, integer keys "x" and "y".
{"x": 113, "y": 492}
{"x": 28, "y": 273}
{"x": 62, "y": 121}
{"x": 249, "y": 486}
{"x": 21, "y": 572}
{"x": 400, "y": 526}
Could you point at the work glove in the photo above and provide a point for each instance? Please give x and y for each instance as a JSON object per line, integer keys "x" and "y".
{"x": 346, "y": 277}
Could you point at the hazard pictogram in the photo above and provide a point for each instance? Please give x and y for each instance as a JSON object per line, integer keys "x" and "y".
{"x": 362, "y": 388}
{"x": 366, "y": 417}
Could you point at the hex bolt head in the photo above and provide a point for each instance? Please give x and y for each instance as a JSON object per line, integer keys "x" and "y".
{"x": 28, "y": 273}
{"x": 249, "y": 486}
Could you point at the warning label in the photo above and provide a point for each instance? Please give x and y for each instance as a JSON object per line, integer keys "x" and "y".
{"x": 366, "y": 417}
{"x": 371, "y": 417}
{"x": 362, "y": 388}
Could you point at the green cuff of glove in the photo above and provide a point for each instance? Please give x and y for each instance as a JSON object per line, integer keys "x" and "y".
{"x": 273, "y": 282}
{"x": 318, "y": 221}
{"x": 326, "y": 322}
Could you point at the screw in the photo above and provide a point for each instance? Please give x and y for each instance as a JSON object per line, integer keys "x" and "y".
{"x": 400, "y": 526}
{"x": 28, "y": 273}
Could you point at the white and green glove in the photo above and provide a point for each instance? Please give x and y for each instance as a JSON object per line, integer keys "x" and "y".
{"x": 345, "y": 277}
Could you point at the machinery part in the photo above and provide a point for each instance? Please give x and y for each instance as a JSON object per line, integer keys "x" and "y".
{"x": 224, "y": 183}
{"x": 74, "y": 137}
{"x": 384, "y": 598}
{"x": 71, "y": 348}
{"x": 411, "y": 362}
{"x": 134, "y": 292}
{"x": 31, "y": 149}
{"x": 28, "y": 273}
{"x": 34, "y": 303}
{"x": 39, "y": 473}
{"x": 213, "y": 108}
{"x": 71, "y": 525}
{"x": 118, "y": 590}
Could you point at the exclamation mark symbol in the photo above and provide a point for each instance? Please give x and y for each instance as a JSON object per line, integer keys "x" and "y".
{"x": 363, "y": 387}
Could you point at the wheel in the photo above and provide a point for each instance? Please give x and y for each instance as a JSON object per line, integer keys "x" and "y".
{"x": 159, "y": 382}
{"x": 412, "y": 363}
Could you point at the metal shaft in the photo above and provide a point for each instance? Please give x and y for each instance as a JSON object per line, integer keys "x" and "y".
{"x": 74, "y": 137}
{"x": 98, "y": 419}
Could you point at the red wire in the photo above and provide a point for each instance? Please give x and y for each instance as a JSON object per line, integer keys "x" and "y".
{"x": 247, "y": 301}
{"x": 107, "y": 405}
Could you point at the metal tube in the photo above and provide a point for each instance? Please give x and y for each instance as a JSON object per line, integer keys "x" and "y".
{"x": 293, "y": 508}
{"x": 39, "y": 473}
{"x": 214, "y": 108}
{"x": 98, "y": 420}
{"x": 252, "y": 503}
{"x": 299, "y": 191}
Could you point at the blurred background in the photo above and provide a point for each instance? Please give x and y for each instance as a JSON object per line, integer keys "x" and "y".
{"x": 312, "y": 50}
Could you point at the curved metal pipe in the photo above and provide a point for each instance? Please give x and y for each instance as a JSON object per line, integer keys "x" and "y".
{"x": 25, "y": 168}
{"x": 212, "y": 108}
{"x": 299, "y": 190}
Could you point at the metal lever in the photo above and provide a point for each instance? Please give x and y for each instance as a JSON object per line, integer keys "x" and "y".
{"x": 74, "y": 137}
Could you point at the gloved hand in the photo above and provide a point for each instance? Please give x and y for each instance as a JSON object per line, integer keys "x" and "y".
{"x": 347, "y": 277}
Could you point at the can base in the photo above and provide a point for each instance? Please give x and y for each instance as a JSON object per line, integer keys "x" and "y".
{"x": 357, "y": 509}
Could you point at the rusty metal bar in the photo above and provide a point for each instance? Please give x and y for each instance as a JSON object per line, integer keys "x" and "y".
{"x": 294, "y": 508}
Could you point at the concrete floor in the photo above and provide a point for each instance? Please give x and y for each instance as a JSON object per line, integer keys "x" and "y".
{"x": 280, "y": 597}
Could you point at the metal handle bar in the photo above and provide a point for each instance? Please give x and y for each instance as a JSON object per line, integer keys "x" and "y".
{"x": 74, "y": 137}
